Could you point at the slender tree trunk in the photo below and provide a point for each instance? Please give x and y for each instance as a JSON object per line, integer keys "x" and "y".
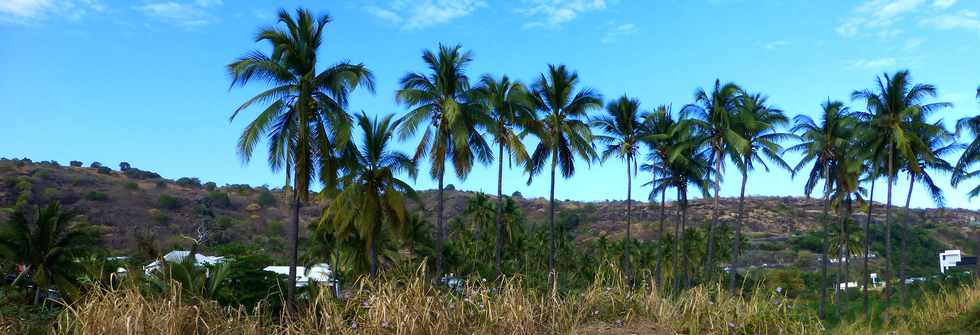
{"x": 677, "y": 241}
{"x": 867, "y": 245}
{"x": 373, "y": 247}
{"x": 709, "y": 261}
{"x": 335, "y": 271}
{"x": 293, "y": 252}
{"x": 904, "y": 250}
{"x": 847, "y": 251}
{"x": 888, "y": 233}
{"x": 629, "y": 213}
{"x": 684, "y": 246}
{"x": 498, "y": 253}
{"x": 552, "y": 246}
{"x": 736, "y": 244}
{"x": 826, "y": 239}
{"x": 841, "y": 255}
{"x": 440, "y": 225}
{"x": 660, "y": 234}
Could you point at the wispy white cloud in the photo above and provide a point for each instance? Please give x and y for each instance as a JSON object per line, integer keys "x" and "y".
{"x": 185, "y": 14}
{"x": 553, "y": 13}
{"x": 875, "y": 63}
{"x": 27, "y": 11}
{"x": 414, "y": 15}
{"x": 943, "y": 4}
{"x": 618, "y": 31}
{"x": 963, "y": 19}
{"x": 878, "y": 17}
{"x": 775, "y": 44}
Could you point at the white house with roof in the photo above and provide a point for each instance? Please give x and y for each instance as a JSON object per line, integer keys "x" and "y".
{"x": 955, "y": 258}
{"x": 319, "y": 273}
{"x": 176, "y": 256}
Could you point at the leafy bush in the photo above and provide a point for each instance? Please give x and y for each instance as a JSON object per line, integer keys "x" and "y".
{"x": 267, "y": 199}
{"x": 104, "y": 170}
{"x": 161, "y": 184}
{"x": 168, "y": 202}
{"x": 210, "y": 186}
{"x": 219, "y": 199}
{"x": 123, "y": 166}
{"x": 132, "y": 186}
{"x": 75, "y": 163}
{"x": 96, "y": 196}
{"x": 140, "y": 174}
{"x": 239, "y": 188}
{"x": 49, "y": 193}
{"x": 95, "y": 165}
{"x": 188, "y": 182}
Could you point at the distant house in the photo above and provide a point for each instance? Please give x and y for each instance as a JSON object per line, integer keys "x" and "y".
{"x": 177, "y": 256}
{"x": 955, "y": 258}
{"x": 319, "y": 273}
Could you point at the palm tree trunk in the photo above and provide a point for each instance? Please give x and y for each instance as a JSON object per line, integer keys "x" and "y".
{"x": 841, "y": 255}
{"x": 847, "y": 252}
{"x": 293, "y": 252}
{"x": 708, "y": 262}
{"x": 904, "y": 250}
{"x": 826, "y": 245}
{"x": 677, "y": 242}
{"x": 440, "y": 225}
{"x": 497, "y": 255}
{"x": 867, "y": 244}
{"x": 660, "y": 234}
{"x": 629, "y": 213}
{"x": 888, "y": 233}
{"x": 373, "y": 247}
{"x": 736, "y": 244}
{"x": 687, "y": 257}
{"x": 552, "y": 272}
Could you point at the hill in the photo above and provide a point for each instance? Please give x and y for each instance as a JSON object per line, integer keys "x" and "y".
{"x": 137, "y": 205}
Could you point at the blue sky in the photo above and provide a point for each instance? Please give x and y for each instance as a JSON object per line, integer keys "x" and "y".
{"x": 144, "y": 81}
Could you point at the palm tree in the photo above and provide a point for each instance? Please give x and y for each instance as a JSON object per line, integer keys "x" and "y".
{"x": 971, "y": 154}
{"x": 823, "y": 144}
{"x": 756, "y": 122}
{"x": 305, "y": 114}
{"x": 47, "y": 246}
{"x": 510, "y": 111}
{"x": 562, "y": 133}
{"x": 371, "y": 193}
{"x": 845, "y": 175}
{"x": 622, "y": 130}
{"x": 893, "y": 103}
{"x": 441, "y": 102}
{"x": 657, "y": 130}
{"x": 714, "y": 113}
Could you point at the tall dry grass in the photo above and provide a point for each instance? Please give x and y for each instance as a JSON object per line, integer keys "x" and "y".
{"x": 412, "y": 306}
{"x": 949, "y": 311}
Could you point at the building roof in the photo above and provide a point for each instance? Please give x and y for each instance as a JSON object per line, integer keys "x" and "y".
{"x": 319, "y": 273}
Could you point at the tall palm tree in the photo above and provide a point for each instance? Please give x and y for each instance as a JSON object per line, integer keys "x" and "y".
{"x": 658, "y": 129}
{"x": 305, "y": 115}
{"x": 562, "y": 133}
{"x": 47, "y": 245}
{"x": 757, "y": 123}
{"x": 971, "y": 154}
{"x": 713, "y": 113}
{"x": 441, "y": 103}
{"x": 845, "y": 174}
{"x": 622, "y": 132}
{"x": 823, "y": 144}
{"x": 891, "y": 105}
{"x": 688, "y": 165}
{"x": 371, "y": 193}
{"x": 936, "y": 142}
{"x": 510, "y": 111}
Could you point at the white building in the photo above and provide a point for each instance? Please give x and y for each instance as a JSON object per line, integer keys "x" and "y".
{"x": 179, "y": 255}
{"x": 319, "y": 273}
{"x": 948, "y": 259}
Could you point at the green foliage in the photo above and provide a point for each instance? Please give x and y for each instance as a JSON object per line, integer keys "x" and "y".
{"x": 224, "y": 222}
{"x": 95, "y": 165}
{"x": 247, "y": 284}
{"x": 123, "y": 166}
{"x": 242, "y": 189}
{"x": 210, "y": 186}
{"x": 789, "y": 282}
{"x": 75, "y": 163}
{"x": 168, "y": 202}
{"x": 188, "y": 182}
{"x": 131, "y": 186}
{"x": 161, "y": 184}
{"x": 193, "y": 280}
{"x": 138, "y": 174}
{"x": 96, "y": 196}
{"x": 219, "y": 199}
{"x": 104, "y": 170}
{"x": 267, "y": 199}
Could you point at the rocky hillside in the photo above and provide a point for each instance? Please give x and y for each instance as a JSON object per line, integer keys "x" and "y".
{"x": 134, "y": 204}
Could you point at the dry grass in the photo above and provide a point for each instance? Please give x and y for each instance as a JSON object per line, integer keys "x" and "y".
{"x": 413, "y": 306}
{"x": 950, "y": 311}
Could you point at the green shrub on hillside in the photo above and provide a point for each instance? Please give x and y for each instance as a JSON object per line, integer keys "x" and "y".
{"x": 75, "y": 163}
{"x": 219, "y": 199}
{"x": 168, "y": 202}
{"x": 95, "y": 165}
{"x": 140, "y": 174}
{"x": 96, "y": 196}
{"x": 267, "y": 199}
{"x": 210, "y": 186}
{"x": 132, "y": 186}
{"x": 188, "y": 182}
{"x": 123, "y": 166}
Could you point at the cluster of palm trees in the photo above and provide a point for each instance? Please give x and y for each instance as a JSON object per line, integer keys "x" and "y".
{"x": 307, "y": 127}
